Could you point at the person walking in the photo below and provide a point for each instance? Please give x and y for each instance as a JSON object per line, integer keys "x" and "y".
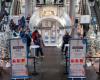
{"x": 38, "y": 41}
{"x": 66, "y": 39}
{"x": 12, "y": 25}
{"x": 34, "y": 35}
{"x": 28, "y": 41}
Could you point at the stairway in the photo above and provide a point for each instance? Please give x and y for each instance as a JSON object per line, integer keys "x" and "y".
{"x": 97, "y": 10}
{"x": 92, "y": 11}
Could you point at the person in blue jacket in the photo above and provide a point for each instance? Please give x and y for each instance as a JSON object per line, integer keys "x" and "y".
{"x": 28, "y": 38}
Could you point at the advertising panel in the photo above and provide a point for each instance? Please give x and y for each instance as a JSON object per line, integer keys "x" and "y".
{"x": 19, "y": 57}
{"x": 77, "y": 57}
{"x": 85, "y": 19}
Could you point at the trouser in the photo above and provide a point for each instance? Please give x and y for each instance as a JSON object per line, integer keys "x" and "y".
{"x": 66, "y": 50}
{"x": 28, "y": 49}
{"x": 62, "y": 48}
{"x": 39, "y": 50}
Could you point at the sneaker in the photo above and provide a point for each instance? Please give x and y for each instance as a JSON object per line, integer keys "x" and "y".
{"x": 38, "y": 57}
{"x": 42, "y": 56}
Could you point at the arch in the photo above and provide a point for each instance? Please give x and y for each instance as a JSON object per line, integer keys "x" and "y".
{"x": 35, "y": 20}
{"x": 63, "y": 23}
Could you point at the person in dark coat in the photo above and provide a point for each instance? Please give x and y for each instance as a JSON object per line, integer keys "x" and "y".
{"x": 66, "y": 39}
{"x": 23, "y": 22}
{"x": 12, "y": 25}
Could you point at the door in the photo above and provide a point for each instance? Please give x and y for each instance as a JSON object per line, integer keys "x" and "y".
{"x": 51, "y": 33}
{"x": 49, "y": 37}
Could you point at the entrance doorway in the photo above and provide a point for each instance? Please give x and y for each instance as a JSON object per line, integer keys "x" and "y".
{"x": 52, "y": 28}
{"x": 52, "y": 32}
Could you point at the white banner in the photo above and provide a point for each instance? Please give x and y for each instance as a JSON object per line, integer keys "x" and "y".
{"x": 19, "y": 57}
{"x": 77, "y": 57}
{"x": 85, "y": 19}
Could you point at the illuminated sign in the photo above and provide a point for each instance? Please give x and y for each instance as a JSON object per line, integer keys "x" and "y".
{"x": 48, "y": 11}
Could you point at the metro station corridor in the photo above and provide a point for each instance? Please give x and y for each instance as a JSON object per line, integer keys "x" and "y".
{"x": 68, "y": 31}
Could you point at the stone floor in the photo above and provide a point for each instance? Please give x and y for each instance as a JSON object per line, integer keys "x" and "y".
{"x": 91, "y": 74}
{"x": 51, "y": 66}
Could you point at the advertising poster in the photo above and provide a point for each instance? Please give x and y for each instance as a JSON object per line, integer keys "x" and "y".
{"x": 77, "y": 57}
{"x": 19, "y": 57}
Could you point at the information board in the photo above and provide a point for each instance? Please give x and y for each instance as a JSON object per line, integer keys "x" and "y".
{"x": 77, "y": 57}
{"x": 19, "y": 57}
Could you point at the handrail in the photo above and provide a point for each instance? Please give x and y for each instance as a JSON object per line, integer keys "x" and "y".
{"x": 97, "y": 10}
